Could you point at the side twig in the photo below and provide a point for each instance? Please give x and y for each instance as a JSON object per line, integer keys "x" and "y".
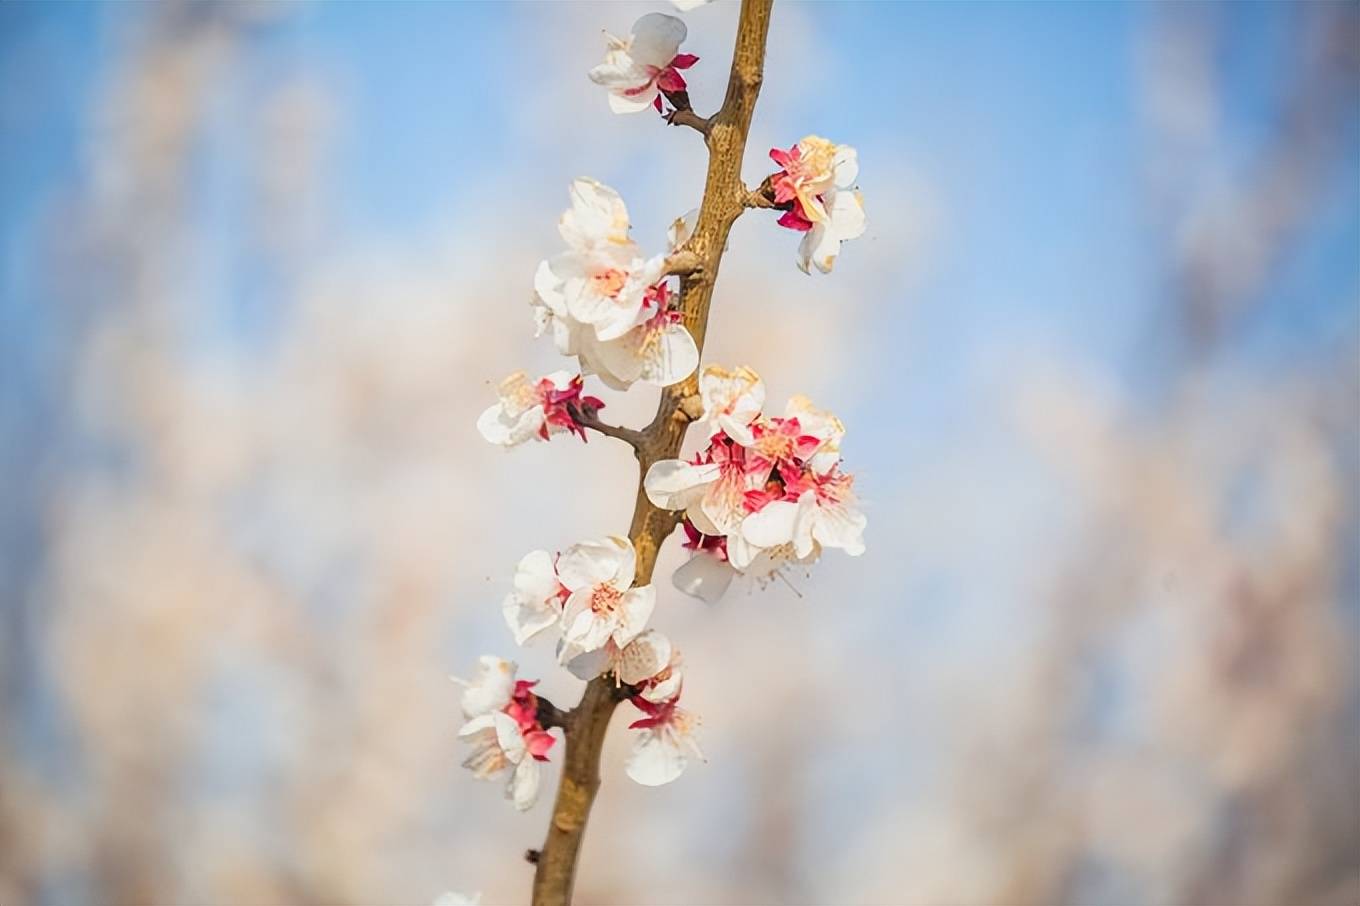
{"x": 587, "y": 418}
{"x": 683, "y": 114}
{"x": 724, "y": 200}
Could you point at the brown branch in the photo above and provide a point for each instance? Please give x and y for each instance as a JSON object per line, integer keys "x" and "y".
{"x": 587, "y": 418}
{"x": 683, "y": 114}
{"x": 724, "y": 200}
{"x": 549, "y": 715}
{"x": 683, "y": 264}
{"x": 762, "y": 196}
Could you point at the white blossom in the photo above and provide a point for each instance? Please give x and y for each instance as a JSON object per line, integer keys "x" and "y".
{"x": 603, "y": 605}
{"x": 732, "y": 400}
{"x": 497, "y": 747}
{"x": 636, "y": 69}
{"x": 535, "y": 604}
{"x": 664, "y": 744}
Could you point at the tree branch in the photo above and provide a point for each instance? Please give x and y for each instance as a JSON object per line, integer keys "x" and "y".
{"x": 762, "y": 196}
{"x": 683, "y": 114}
{"x": 587, "y": 418}
{"x": 549, "y": 715}
{"x": 683, "y": 264}
{"x": 724, "y": 200}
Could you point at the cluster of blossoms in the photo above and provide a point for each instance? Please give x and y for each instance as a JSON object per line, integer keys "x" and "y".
{"x": 586, "y": 592}
{"x": 606, "y": 303}
{"x": 504, "y": 730}
{"x": 767, "y": 491}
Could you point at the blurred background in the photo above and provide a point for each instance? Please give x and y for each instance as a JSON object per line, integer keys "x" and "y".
{"x": 1099, "y": 355}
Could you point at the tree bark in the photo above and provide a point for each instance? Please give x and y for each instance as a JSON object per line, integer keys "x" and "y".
{"x": 725, "y": 197}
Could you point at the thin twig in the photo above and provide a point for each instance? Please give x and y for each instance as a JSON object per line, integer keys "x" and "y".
{"x": 724, "y": 200}
{"x": 700, "y": 124}
{"x": 683, "y": 114}
{"x": 587, "y": 418}
{"x": 549, "y": 715}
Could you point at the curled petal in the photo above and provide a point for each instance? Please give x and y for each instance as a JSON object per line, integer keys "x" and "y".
{"x": 705, "y": 577}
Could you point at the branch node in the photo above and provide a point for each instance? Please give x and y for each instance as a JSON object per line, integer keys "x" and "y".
{"x": 683, "y": 263}
{"x": 683, "y": 114}
{"x": 762, "y": 196}
{"x": 549, "y": 715}
{"x": 691, "y": 408}
{"x": 587, "y": 418}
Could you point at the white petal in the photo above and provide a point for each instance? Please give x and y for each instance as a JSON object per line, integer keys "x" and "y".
{"x": 669, "y": 357}
{"x": 588, "y": 664}
{"x": 637, "y": 103}
{"x": 623, "y": 577}
{"x": 527, "y": 617}
{"x": 840, "y": 526}
{"x": 655, "y": 759}
{"x": 614, "y": 359}
{"x": 501, "y": 428}
{"x": 535, "y": 575}
{"x": 673, "y": 484}
{"x": 656, "y": 39}
{"x": 582, "y": 629}
{"x": 644, "y": 657}
{"x": 479, "y": 725}
{"x": 804, "y": 521}
{"x": 548, "y": 287}
{"x": 619, "y": 72}
{"x": 740, "y": 552}
{"x": 597, "y": 216}
{"x": 846, "y": 164}
{"x": 523, "y": 786}
{"x": 724, "y": 502}
{"x": 678, "y": 233}
{"x": 847, "y": 215}
{"x": 695, "y": 514}
{"x": 585, "y": 565}
{"x": 491, "y": 689}
{"x": 810, "y": 242}
{"x": 509, "y": 737}
{"x": 772, "y": 526}
{"x": 705, "y": 577}
{"x": 634, "y": 611}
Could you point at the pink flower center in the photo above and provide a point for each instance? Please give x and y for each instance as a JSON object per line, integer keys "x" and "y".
{"x": 604, "y": 599}
{"x": 609, "y": 282}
